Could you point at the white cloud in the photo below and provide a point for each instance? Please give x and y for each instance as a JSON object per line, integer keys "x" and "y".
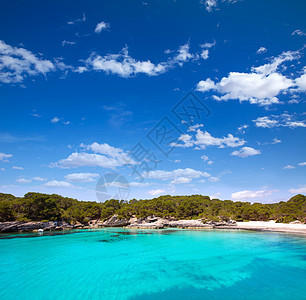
{"x": 82, "y": 177}
{"x": 4, "y": 156}
{"x": 23, "y": 180}
{"x": 261, "y": 86}
{"x": 18, "y": 63}
{"x": 300, "y": 82}
{"x": 300, "y": 190}
{"x": 205, "y": 139}
{"x": 74, "y": 22}
{"x": 2, "y": 169}
{"x": 55, "y": 120}
{"x": 245, "y": 152}
{"x": 206, "y": 159}
{"x": 55, "y": 183}
{"x": 288, "y": 167}
{"x": 211, "y": 5}
{"x": 213, "y": 179}
{"x": 183, "y": 54}
{"x": 38, "y": 178}
{"x": 124, "y": 65}
{"x": 181, "y": 180}
{"x": 156, "y": 192}
{"x": 247, "y": 194}
{"x": 283, "y": 120}
{"x": 64, "y": 43}
{"x": 302, "y": 164}
{"x": 17, "y": 168}
{"x": 177, "y": 161}
{"x": 242, "y": 128}
{"x": 28, "y": 180}
{"x": 276, "y": 141}
{"x": 101, "y": 26}
{"x": 140, "y": 184}
{"x": 166, "y": 175}
{"x": 108, "y": 157}
{"x": 206, "y": 85}
{"x": 298, "y": 32}
{"x": 261, "y": 50}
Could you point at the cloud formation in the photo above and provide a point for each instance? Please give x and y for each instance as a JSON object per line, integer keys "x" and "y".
{"x": 104, "y": 156}
{"x": 283, "y": 120}
{"x": 245, "y": 152}
{"x": 261, "y": 86}
{"x": 247, "y": 194}
{"x": 18, "y": 63}
{"x": 101, "y": 26}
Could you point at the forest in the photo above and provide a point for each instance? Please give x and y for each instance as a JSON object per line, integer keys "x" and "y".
{"x": 44, "y": 207}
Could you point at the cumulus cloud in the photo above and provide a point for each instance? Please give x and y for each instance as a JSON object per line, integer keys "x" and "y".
{"x": 4, "y": 157}
{"x": 261, "y": 86}
{"x": 82, "y": 177}
{"x": 101, "y": 26}
{"x": 156, "y": 192}
{"x": 201, "y": 140}
{"x": 245, "y": 152}
{"x": 299, "y": 190}
{"x": 18, "y": 63}
{"x": 247, "y": 194}
{"x": 107, "y": 157}
{"x": 124, "y": 65}
{"x": 283, "y": 120}
{"x": 302, "y": 164}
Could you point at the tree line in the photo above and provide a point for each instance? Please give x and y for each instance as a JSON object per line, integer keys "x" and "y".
{"x": 45, "y": 207}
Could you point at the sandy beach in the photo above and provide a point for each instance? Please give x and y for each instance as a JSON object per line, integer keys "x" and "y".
{"x": 270, "y": 226}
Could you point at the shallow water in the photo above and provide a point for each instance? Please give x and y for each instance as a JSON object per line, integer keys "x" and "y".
{"x": 153, "y": 264}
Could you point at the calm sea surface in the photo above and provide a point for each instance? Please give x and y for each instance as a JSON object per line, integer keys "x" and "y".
{"x": 152, "y": 264}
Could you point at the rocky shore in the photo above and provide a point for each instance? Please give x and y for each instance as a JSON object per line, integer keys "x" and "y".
{"x": 114, "y": 221}
{"x": 153, "y": 223}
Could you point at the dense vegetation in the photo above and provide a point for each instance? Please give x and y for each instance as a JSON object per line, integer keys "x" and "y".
{"x": 39, "y": 207}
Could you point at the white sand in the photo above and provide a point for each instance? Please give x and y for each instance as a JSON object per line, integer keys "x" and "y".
{"x": 272, "y": 226}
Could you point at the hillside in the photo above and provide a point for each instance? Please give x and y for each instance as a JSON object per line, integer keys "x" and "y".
{"x": 42, "y": 207}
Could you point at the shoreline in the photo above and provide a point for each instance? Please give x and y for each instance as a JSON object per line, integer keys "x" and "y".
{"x": 263, "y": 226}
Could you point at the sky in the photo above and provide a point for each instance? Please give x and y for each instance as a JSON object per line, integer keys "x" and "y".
{"x": 137, "y": 99}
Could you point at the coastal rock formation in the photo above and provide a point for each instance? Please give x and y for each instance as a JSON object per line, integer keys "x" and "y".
{"x": 150, "y": 222}
{"x": 159, "y": 223}
{"x": 114, "y": 221}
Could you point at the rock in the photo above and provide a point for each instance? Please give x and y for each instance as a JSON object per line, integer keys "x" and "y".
{"x": 114, "y": 221}
{"x": 78, "y": 225}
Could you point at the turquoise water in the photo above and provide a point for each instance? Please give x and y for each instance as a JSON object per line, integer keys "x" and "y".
{"x": 153, "y": 264}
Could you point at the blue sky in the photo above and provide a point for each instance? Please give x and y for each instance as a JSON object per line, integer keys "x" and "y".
{"x": 83, "y": 84}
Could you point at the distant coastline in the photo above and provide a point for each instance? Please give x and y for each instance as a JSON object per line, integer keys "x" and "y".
{"x": 157, "y": 223}
{"x": 36, "y": 211}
